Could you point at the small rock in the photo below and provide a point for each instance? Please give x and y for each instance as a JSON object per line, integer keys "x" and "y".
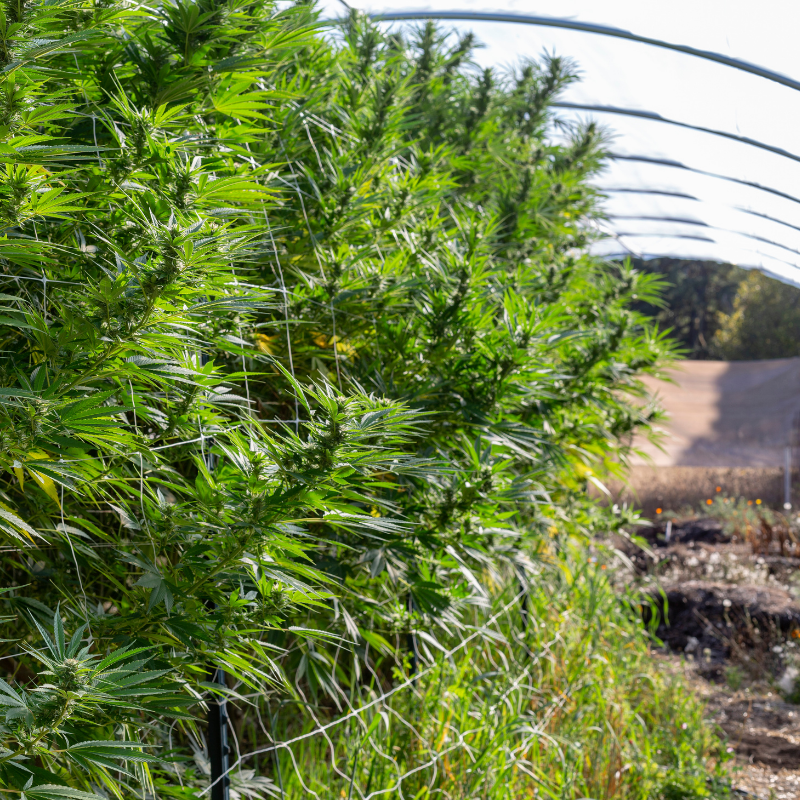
{"x": 788, "y": 679}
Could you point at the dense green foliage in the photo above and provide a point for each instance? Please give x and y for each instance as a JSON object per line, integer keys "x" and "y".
{"x": 763, "y": 323}
{"x": 304, "y": 364}
{"x": 572, "y": 708}
{"x": 719, "y": 311}
{"x": 695, "y": 298}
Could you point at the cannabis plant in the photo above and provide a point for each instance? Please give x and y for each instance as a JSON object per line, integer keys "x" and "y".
{"x": 303, "y": 357}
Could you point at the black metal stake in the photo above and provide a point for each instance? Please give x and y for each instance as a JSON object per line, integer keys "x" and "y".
{"x": 411, "y": 640}
{"x": 217, "y": 707}
{"x": 523, "y": 588}
{"x": 218, "y": 741}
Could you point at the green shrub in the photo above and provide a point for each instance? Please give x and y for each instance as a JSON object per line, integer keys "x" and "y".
{"x": 762, "y": 323}
{"x": 304, "y": 360}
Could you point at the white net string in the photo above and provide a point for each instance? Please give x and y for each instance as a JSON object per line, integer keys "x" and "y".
{"x": 313, "y": 242}
{"x": 378, "y": 701}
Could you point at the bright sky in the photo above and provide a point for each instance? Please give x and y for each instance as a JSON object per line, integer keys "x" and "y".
{"x": 722, "y": 198}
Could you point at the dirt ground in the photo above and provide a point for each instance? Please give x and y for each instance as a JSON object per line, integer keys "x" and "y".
{"x": 733, "y": 630}
{"x": 762, "y": 729}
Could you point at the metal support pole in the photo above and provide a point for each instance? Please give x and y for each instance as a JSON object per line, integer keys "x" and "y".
{"x": 217, "y": 735}
{"x": 522, "y": 578}
{"x": 411, "y": 640}
{"x": 218, "y": 741}
{"x": 787, "y": 478}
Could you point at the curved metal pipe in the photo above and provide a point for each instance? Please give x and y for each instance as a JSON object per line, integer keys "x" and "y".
{"x": 676, "y": 220}
{"x": 588, "y": 27}
{"x": 649, "y": 191}
{"x": 702, "y": 225}
{"x": 650, "y": 115}
{"x": 620, "y": 234}
{"x": 766, "y": 216}
{"x": 764, "y": 270}
{"x": 664, "y": 162}
{"x": 678, "y": 165}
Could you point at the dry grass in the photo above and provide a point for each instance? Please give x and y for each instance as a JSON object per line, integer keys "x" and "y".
{"x": 650, "y": 488}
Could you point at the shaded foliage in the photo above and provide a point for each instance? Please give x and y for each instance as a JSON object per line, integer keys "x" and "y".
{"x": 695, "y": 298}
{"x": 718, "y": 311}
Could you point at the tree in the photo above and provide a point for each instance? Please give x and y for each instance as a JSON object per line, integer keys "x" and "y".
{"x": 695, "y": 298}
{"x": 764, "y": 321}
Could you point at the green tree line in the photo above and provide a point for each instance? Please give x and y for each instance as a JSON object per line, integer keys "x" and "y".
{"x": 720, "y": 311}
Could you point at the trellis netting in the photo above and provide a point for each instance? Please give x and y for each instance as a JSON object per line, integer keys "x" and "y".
{"x": 703, "y": 101}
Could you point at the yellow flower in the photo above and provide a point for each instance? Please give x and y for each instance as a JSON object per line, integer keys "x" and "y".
{"x": 264, "y": 343}
{"x": 343, "y": 347}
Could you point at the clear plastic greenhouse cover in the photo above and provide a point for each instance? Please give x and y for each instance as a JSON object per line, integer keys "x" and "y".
{"x": 703, "y": 98}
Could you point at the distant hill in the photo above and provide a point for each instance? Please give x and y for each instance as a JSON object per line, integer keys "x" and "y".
{"x": 718, "y": 311}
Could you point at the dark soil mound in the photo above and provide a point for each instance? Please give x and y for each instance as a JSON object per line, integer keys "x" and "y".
{"x": 698, "y": 529}
{"x": 752, "y": 711}
{"x": 772, "y": 751}
{"x": 715, "y": 616}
